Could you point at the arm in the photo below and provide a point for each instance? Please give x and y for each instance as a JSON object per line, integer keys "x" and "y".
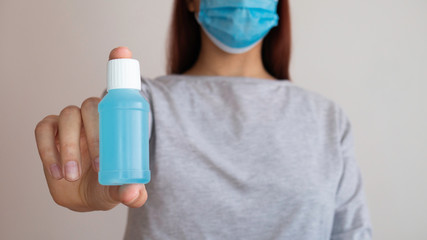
{"x": 351, "y": 219}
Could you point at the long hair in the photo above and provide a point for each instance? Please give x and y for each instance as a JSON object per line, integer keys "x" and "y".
{"x": 185, "y": 42}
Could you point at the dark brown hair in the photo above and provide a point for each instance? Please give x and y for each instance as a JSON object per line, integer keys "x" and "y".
{"x": 185, "y": 41}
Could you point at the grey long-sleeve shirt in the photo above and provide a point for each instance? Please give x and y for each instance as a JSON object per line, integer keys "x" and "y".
{"x": 247, "y": 158}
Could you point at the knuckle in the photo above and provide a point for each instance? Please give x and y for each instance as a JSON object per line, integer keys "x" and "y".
{"x": 108, "y": 199}
{"x": 70, "y": 110}
{"x": 45, "y": 124}
{"x": 42, "y": 126}
{"x": 90, "y": 103}
{"x": 51, "y": 117}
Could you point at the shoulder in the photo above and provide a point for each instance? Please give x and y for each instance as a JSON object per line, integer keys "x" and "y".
{"x": 320, "y": 108}
{"x": 313, "y": 100}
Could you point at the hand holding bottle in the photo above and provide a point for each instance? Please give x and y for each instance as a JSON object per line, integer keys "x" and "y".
{"x": 68, "y": 145}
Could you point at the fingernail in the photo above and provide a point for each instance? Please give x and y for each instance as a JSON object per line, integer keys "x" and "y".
{"x": 55, "y": 171}
{"x": 96, "y": 162}
{"x": 71, "y": 170}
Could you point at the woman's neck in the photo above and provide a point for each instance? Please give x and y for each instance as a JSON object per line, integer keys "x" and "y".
{"x": 213, "y": 61}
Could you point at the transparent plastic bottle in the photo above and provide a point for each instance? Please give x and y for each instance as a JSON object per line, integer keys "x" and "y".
{"x": 123, "y": 126}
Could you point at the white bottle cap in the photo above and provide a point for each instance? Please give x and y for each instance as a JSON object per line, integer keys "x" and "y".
{"x": 123, "y": 73}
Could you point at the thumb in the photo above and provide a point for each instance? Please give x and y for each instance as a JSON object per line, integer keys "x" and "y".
{"x": 120, "y": 52}
{"x": 131, "y": 195}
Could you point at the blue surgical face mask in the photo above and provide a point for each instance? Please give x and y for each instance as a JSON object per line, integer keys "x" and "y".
{"x": 236, "y": 26}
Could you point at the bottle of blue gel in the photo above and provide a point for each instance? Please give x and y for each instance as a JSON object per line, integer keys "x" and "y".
{"x": 123, "y": 126}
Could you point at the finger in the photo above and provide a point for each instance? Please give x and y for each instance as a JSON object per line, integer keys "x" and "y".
{"x": 69, "y": 127}
{"x": 45, "y": 132}
{"x": 90, "y": 118}
{"x": 131, "y": 195}
{"x": 120, "y": 52}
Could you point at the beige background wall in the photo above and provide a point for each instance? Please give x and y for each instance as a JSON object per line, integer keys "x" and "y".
{"x": 368, "y": 56}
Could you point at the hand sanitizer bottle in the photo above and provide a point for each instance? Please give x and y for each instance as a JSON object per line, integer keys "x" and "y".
{"x": 123, "y": 126}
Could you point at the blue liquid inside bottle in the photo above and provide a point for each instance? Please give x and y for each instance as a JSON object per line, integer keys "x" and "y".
{"x": 123, "y": 138}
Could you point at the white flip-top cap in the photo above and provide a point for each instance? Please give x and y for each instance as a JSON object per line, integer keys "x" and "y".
{"x": 123, "y": 73}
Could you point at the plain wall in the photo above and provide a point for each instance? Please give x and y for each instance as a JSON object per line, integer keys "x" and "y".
{"x": 368, "y": 56}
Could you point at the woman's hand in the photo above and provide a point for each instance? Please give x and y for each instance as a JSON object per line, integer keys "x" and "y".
{"x": 68, "y": 145}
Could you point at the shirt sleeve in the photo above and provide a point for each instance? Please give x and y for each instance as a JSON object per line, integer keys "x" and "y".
{"x": 146, "y": 93}
{"x": 351, "y": 218}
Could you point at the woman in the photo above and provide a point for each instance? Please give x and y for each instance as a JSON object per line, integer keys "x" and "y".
{"x": 237, "y": 151}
